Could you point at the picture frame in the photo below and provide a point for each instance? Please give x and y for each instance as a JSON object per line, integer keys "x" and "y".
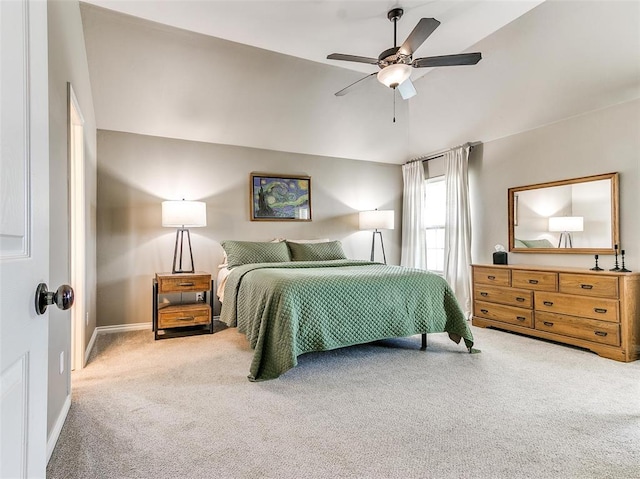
{"x": 275, "y": 197}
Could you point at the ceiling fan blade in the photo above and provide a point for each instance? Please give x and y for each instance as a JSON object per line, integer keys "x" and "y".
{"x": 447, "y": 60}
{"x": 406, "y": 89}
{"x": 344, "y": 91}
{"x": 420, "y": 33}
{"x": 352, "y": 58}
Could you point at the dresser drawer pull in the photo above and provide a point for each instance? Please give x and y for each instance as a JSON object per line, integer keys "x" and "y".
{"x": 600, "y": 333}
{"x": 185, "y": 284}
{"x": 491, "y": 277}
{"x": 533, "y": 281}
{"x": 548, "y": 303}
{"x": 548, "y": 323}
{"x": 186, "y": 318}
{"x": 600, "y": 310}
{"x": 521, "y": 300}
{"x": 586, "y": 286}
{"x": 521, "y": 318}
{"x": 484, "y": 294}
{"x": 484, "y": 311}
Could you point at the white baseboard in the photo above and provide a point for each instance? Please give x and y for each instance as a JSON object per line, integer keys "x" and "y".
{"x": 57, "y": 427}
{"x": 92, "y": 341}
{"x": 121, "y": 328}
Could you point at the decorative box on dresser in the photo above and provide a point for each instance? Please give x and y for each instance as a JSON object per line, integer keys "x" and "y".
{"x": 596, "y": 310}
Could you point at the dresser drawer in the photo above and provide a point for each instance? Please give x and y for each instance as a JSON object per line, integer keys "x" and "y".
{"x": 589, "y": 285}
{"x": 497, "y": 276}
{"x": 590, "y": 329}
{"x": 187, "y": 283}
{"x": 496, "y": 294}
{"x": 179, "y": 316}
{"x": 506, "y": 314}
{"x": 596, "y": 308}
{"x": 538, "y": 280}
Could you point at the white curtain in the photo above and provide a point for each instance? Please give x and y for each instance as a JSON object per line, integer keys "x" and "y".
{"x": 414, "y": 245}
{"x": 457, "y": 230}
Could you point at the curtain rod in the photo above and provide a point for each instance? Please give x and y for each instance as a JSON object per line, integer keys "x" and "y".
{"x": 441, "y": 153}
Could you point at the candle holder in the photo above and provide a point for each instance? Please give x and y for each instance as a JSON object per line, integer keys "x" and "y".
{"x": 617, "y": 268}
{"x": 623, "y": 269}
{"x": 596, "y": 267}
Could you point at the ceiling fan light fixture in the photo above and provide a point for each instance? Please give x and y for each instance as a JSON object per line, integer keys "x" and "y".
{"x": 394, "y": 75}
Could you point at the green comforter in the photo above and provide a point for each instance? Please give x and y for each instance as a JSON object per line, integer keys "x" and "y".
{"x": 287, "y": 309}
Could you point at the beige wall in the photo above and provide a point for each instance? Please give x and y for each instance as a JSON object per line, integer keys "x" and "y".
{"x": 67, "y": 63}
{"x": 136, "y": 173}
{"x": 603, "y": 141}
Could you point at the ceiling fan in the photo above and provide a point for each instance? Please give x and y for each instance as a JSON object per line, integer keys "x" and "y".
{"x": 396, "y": 63}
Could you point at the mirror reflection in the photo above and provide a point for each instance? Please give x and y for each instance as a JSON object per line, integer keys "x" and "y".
{"x": 569, "y": 216}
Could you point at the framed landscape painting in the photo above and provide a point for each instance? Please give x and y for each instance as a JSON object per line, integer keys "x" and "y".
{"x": 280, "y": 197}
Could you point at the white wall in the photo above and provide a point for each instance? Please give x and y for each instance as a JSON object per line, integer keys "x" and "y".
{"x": 603, "y": 141}
{"x": 136, "y": 173}
{"x": 67, "y": 63}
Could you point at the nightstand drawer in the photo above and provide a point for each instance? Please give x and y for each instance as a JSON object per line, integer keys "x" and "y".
{"x": 184, "y": 315}
{"x": 590, "y": 329}
{"x": 497, "y": 276}
{"x": 176, "y": 283}
{"x": 507, "y": 314}
{"x": 538, "y": 280}
{"x": 589, "y": 285}
{"x": 510, "y": 296}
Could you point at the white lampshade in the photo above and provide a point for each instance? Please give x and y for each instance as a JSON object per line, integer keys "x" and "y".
{"x": 566, "y": 223}
{"x": 394, "y": 75}
{"x": 377, "y": 220}
{"x": 188, "y": 214}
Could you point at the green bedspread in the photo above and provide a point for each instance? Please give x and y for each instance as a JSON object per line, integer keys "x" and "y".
{"x": 287, "y": 309}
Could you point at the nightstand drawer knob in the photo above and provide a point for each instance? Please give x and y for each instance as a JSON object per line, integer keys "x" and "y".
{"x": 185, "y": 284}
{"x": 186, "y": 318}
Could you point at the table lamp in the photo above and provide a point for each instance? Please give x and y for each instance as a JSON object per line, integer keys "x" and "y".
{"x": 377, "y": 220}
{"x": 183, "y": 215}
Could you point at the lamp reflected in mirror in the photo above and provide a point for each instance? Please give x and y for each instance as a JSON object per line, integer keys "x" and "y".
{"x": 566, "y": 225}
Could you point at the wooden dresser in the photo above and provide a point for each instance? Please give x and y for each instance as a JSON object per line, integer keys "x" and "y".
{"x": 599, "y": 311}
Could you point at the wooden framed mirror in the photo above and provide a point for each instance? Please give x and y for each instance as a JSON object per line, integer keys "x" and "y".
{"x": 578, "y": 216}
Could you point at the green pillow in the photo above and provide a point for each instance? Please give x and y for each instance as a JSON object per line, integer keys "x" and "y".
{"x": 316, "y": 251}
{"x": 246, "y": 252}
{"x": 539, "y": 243}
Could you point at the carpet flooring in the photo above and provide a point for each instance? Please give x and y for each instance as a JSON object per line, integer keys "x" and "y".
{"x": 183, "y": 408}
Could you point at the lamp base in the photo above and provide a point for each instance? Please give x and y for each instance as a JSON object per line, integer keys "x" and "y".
{"x": 177, "y": 268}
{"x": 568, "y": 240}
{"x": 373, "y": 245}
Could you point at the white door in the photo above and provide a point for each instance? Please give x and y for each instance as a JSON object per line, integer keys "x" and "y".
{"x": 24, "y": 236}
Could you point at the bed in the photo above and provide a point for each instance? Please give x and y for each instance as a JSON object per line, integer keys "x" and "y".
{"x": 297, "y": 303}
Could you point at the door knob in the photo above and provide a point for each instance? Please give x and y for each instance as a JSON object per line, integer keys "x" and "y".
{"x": 62, "y": 297}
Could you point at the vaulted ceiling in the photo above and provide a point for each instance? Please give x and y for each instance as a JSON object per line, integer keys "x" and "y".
{"x": 255, "y": 73}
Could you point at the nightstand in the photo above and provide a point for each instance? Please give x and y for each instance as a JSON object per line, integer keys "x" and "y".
{"x": 182, "y": 304}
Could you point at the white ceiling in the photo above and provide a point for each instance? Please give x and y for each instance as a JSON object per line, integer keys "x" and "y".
{"x": 542, "y": 62}
{"x": 311, "y": 29}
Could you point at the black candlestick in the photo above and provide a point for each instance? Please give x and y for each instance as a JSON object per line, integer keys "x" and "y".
{"x": 596, "y": 267}
{"x": 617, "y": 268}
{"x": 623, "y": 269}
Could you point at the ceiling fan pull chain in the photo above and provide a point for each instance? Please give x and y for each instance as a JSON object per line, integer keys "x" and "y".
{"x": 394, "y": 105}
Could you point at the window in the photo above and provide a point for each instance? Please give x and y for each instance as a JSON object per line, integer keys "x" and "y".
{"x": 434, "y": 221}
